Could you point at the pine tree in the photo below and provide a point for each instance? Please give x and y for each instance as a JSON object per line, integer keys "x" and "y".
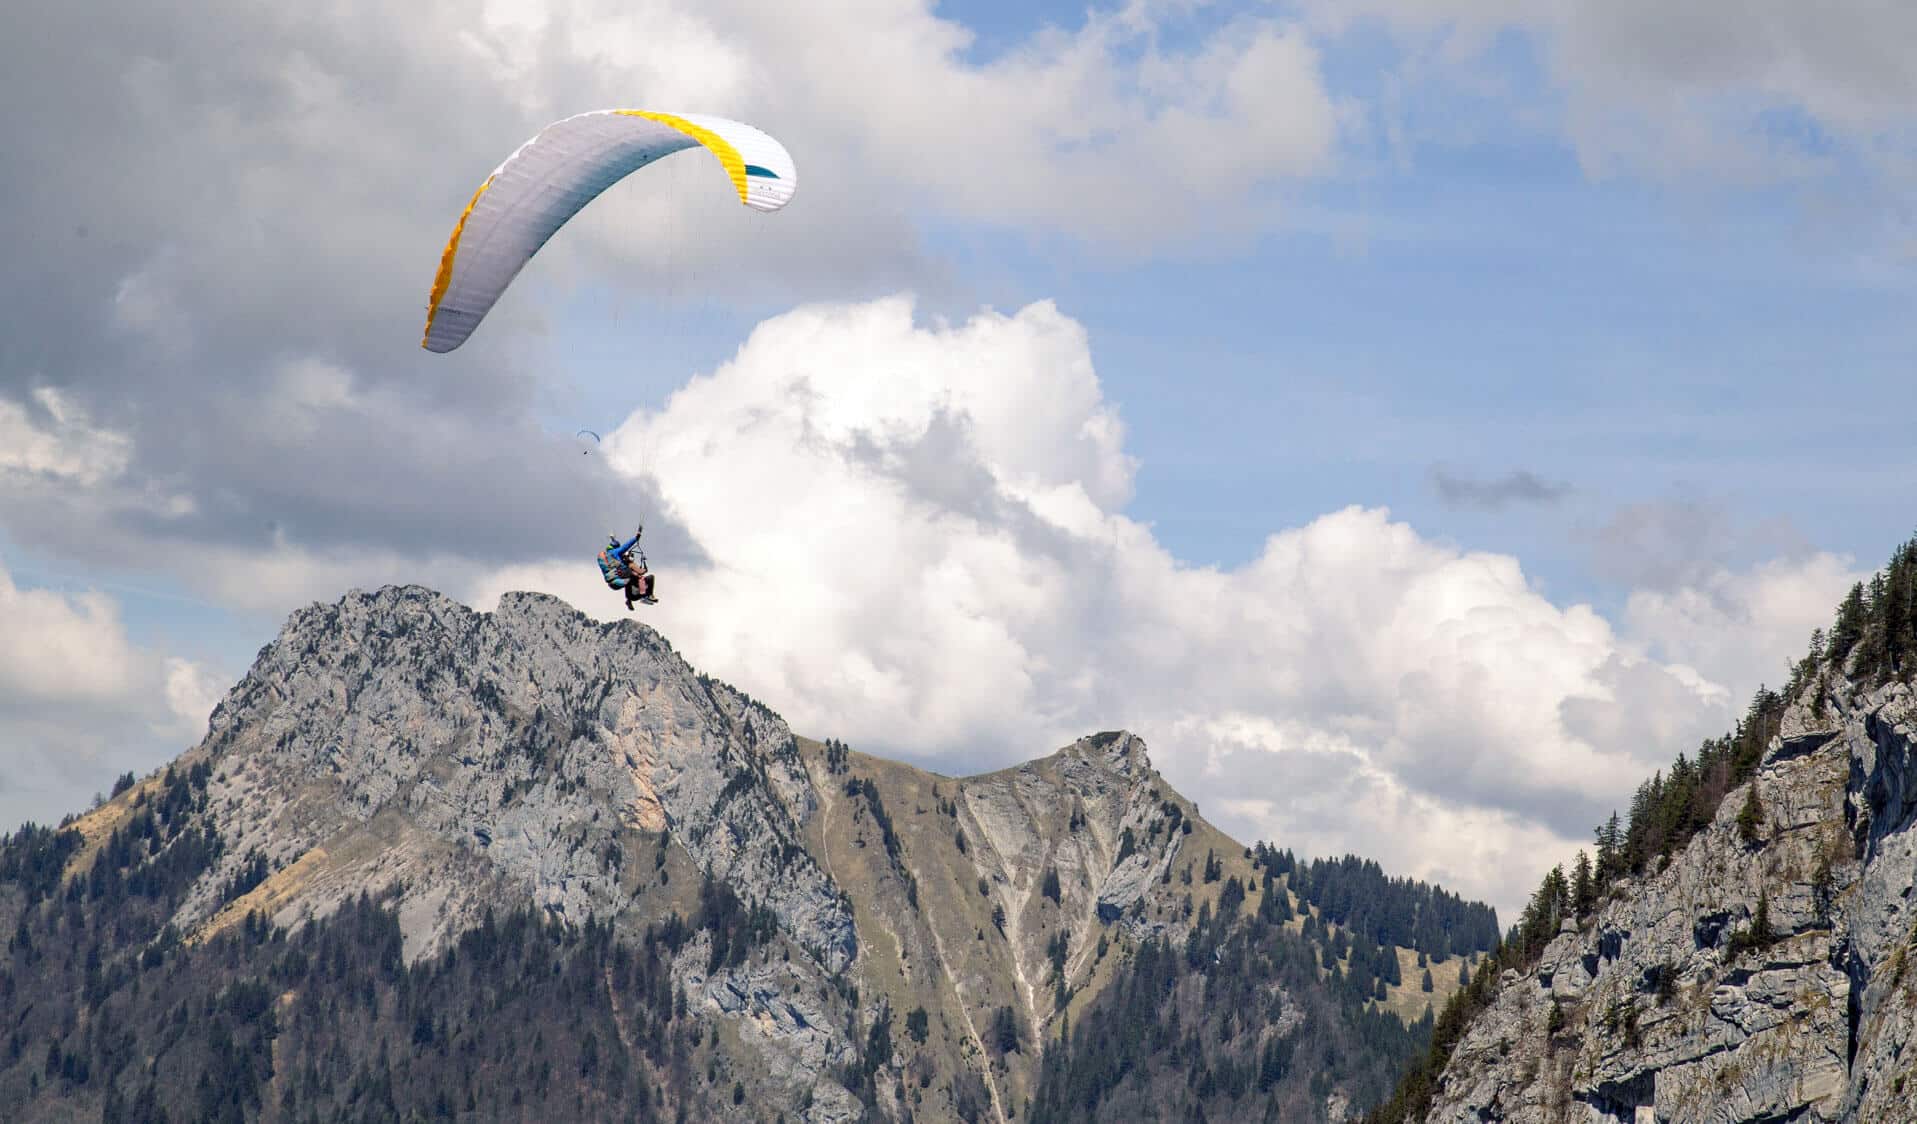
{"x": 1640, "y": 843}
{"x": 1750, "y": 816}
{"x": 1901, "y": 614}
{"x": 1849, "y": 627}
{"x": 1761, "y": 934}
{"x": 1610, "y": 850}
{"x": 1424, "y": 984}
{"x": 1583, "y": 887}
{"x": 1873, "y": 646}
{"x": 1539, "y": 922}
{"x": 1004, "y": 1034}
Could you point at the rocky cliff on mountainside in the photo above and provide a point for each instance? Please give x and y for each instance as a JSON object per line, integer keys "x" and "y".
{"x": 438, "y": 862}
{"x": 402, "y": 737}
{"x": 1762, "y": 973}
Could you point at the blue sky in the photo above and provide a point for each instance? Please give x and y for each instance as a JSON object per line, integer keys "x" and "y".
{"x": 1471, "y": 298}
{"x": 1605, "y": 311}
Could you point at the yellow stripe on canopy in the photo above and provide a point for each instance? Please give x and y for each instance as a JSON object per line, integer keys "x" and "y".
{"x": 445, "y": 276}
{"x": 721, "y": 147}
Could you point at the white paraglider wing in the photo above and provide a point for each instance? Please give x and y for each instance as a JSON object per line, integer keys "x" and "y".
{"x": 552, "y": 176}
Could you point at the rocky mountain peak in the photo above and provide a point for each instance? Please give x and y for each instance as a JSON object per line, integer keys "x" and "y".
{"x": 479, "y": 796}
{"x": 1120, "y": 751}
{"x": 455, "y": 763}
{"x": 399, "y": 737}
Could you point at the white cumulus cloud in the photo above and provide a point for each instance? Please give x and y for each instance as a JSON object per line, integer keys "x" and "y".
{"x": 60, "y": 649}
{"x": 919, "y": 544}
{"x": 1743, "y": 628}
{"x": 81, "y": 702}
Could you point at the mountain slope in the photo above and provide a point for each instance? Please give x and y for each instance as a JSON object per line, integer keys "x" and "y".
{"x": 522, "y": 864}
{"x": 1738, "y": 959}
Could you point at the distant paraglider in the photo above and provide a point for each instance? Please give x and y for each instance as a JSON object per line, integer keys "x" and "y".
{"x": 555, "y": 174}
{"x": 587, "y": 440}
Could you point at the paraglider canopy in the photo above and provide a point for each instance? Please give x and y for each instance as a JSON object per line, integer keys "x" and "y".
{"x": 587, "y": 441}
{"x": 555, "y": 174}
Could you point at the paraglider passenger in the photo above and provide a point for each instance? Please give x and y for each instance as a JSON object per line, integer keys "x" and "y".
{"x": 624, "y": 567}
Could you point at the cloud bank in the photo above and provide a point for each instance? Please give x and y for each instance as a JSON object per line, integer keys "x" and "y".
{"x": 215, "y": 343}
{"x": 918, "y": 545}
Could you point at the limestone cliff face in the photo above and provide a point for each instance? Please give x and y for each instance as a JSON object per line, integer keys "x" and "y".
{"x": 451, "y": 762}
{"x": 1661, "y": 1008}
{"x": 403, "y": 738}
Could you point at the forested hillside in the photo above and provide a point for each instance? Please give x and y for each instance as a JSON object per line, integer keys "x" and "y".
{"x": 1213, "y": 1024}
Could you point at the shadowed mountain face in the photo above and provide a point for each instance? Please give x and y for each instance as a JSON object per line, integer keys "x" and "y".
{"x": 432, "y": 862}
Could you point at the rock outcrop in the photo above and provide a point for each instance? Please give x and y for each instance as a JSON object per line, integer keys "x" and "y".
{"x": 1762, "y": 973}
{"x": 465, "y": 755}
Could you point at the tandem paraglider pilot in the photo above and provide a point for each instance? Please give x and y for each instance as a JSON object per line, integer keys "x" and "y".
{"x": 624, "y": 567}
